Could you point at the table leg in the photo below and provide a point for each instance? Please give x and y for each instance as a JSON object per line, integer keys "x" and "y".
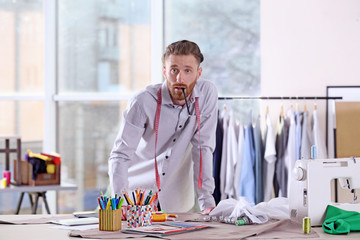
{"x": 19, "y": 203}
{"x": 36, "y": 203}
{"x": 45, "y": 202}
{"x": 31, "y": 200}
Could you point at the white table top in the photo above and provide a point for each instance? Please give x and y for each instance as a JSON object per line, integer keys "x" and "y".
{"x": 64, "y": 186}
{"x": 43, "y": 231}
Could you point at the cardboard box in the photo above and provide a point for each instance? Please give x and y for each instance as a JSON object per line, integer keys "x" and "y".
{"x": 42, "y": 178}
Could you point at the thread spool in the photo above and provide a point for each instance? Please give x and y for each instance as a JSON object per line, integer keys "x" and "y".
{"x": 3, "y": 183}
{"x": 306, "y": 225}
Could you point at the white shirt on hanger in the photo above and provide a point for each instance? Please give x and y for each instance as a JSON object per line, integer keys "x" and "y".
{"x": 231, "y": 149}
{"x": 270, "y": 159}
{"x": 319, "y": 141}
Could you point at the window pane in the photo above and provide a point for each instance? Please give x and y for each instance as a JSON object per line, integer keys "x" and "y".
{"x": 104, "y": 46}
{"x": 88, "y": 132}
{"x": 21, "y": 46}
{"x": 24, "y": 119}
{"x": 229, "y": 37}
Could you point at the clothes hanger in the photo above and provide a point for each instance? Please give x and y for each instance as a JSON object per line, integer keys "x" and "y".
{"x": 297, "y": 104}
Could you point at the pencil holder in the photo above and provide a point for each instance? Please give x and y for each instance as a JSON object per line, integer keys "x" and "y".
{"x": 139, "y": 216}
{"x": 109, "y": 220}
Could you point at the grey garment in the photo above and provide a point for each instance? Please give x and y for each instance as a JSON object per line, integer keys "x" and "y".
{"x": 306, "y": 138}
{"x": 225, "y": 121}
{"x": 280, "y": 178}
{"x": 259, "y": 158}
{"x": 298, "y": 133}
{"x": 131, "y": 163}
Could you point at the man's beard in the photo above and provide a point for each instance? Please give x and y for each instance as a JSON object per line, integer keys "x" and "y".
{"x": 176, "y": 91}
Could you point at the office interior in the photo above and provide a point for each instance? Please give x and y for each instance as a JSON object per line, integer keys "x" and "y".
{"x": 68, "y": 68}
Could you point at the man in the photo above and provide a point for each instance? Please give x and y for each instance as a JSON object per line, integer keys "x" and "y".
{"x": 161, "y": 119}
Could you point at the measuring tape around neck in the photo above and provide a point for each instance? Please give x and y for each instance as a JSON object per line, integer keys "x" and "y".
{"x": 157, "y": 121}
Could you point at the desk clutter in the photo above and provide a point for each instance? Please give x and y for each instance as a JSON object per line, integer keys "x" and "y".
{"x": 39, "y": 169}
{"x": 139, "y": 211}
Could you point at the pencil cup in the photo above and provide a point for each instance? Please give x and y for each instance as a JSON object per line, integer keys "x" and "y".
{"x": 109, "y": 220}
{"x": 139, "y": 216}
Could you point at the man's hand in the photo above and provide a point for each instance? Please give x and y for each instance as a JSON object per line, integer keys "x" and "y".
{"x": 206, "y": 211}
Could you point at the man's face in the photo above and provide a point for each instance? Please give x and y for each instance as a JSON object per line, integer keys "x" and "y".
{"x": 181, "y": 71}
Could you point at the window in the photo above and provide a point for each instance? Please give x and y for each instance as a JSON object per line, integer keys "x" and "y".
{"x": 228, "y": 34}
{"x": 21, "y": 81}
{"x": 103, "y": 49}
{"x": 104, "y": 54}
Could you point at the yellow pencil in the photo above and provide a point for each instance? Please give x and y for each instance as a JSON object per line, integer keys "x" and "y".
{"x": 108, "y": 204}
{"x": 138, "y": 197}
{"x": 129, "y": 199}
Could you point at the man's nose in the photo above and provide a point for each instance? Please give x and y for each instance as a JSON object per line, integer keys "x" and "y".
{"x": 179, "y": 77}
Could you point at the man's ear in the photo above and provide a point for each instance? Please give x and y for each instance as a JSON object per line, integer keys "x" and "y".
{"x": 164, "y": 71}
{"x": 199, "y": 72}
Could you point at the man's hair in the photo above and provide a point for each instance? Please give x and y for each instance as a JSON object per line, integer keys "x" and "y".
{"x": 183, "y": 47}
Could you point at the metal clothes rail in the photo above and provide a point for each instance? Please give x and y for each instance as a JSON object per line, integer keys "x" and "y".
{"x": 282, "y": 98}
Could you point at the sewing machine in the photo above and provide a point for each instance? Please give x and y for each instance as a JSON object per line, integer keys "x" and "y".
{"x": 311, "y": 190}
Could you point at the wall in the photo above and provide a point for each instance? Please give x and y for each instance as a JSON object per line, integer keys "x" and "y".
{"x": 307, "y": 45}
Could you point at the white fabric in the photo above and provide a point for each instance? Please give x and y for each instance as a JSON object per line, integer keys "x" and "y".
{"x": 270, "y": 159}
{"x": 276, "y": 208}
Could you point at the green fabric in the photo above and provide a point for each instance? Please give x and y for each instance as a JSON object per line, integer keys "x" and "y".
{"x": 338, "y": 221}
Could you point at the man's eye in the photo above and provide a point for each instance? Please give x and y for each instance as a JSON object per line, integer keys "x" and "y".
{"x": 187, "y": 70}
{"x": 173, "y": 70}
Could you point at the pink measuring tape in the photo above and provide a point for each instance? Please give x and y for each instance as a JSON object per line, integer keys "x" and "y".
{"x": 157, "y": 120}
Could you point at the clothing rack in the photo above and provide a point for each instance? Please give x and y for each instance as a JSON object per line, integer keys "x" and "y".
{"x": 282, "y": 98}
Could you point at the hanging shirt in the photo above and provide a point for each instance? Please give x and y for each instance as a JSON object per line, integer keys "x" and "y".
{"x": 298, "y": 132}
{"x": 231, "y": 156}
{"x": 306, "y": 139}
{"x": 258, "y": 162}
{"x": 238, "y": 165}
{"x": 270, "y": 159}
{"x": 217, "y": 160}
{"x": 290, "y": 152}
{"x": 280, "y": 178}
{"x": 319, "y": 141}
{"x": 131, "y": 162}
{"x": 247, "y": 176}
{"x": 223, "y": 166}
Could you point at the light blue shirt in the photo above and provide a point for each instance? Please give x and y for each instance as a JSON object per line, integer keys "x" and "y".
{"x": 247, "y": 176}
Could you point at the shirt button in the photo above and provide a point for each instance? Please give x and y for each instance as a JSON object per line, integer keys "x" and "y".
{"x": 180, "y": 126}
{"x": 163, "y": 174}
{"x": 174, "y": 139}
{"x": 166, "y": 157}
